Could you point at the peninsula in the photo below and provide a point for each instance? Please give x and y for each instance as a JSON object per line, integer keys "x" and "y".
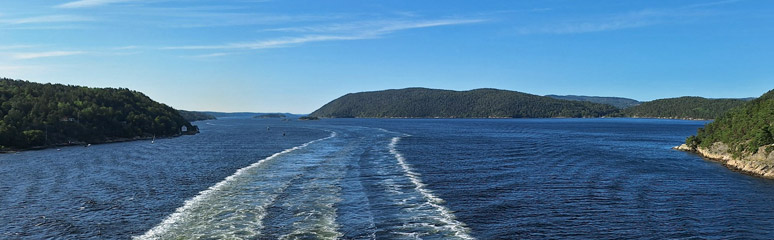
{"x": 34, "y": 115}
{"x": 742, "y": 139}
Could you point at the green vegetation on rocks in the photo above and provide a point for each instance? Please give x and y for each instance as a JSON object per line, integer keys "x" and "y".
{"x": 744, "y": 130}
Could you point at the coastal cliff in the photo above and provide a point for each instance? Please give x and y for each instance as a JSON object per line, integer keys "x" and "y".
{"x": 742, "y": 139}
{"x": 759, "y": 164}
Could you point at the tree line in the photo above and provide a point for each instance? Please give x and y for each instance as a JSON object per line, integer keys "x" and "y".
{"x": 34, "y": 114}
{"x": 479, "y": 103}
{"x": 744, "y": 129}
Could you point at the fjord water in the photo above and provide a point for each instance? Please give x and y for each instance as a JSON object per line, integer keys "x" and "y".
{"x": 387, "y": 179}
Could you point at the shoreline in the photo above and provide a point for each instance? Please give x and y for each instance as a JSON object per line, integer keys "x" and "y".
{"x": 86, "y": 144}
{"x": 662, "y": 118}
{"x": 759, "y": 164}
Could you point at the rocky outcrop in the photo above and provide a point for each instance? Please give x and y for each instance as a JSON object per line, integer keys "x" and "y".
{"x": 759, "y": 164}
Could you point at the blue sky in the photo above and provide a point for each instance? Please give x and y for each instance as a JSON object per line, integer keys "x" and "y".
{"x": 295, "y": 56}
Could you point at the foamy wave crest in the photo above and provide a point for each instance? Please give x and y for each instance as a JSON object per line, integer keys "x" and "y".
{"x": 162, "y": 229}
{"x": 446, "y": 216}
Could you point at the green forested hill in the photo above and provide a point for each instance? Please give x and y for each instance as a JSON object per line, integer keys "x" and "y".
{"x": 743, "y": 129}
{"x": 434, "y": 103}
{"x": 683, "y": 108}
{"x": 618, "y": 102}
{"x": 33, "y": 114}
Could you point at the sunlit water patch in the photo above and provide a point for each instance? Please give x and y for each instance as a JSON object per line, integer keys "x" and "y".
{"x": 387, "y": 179}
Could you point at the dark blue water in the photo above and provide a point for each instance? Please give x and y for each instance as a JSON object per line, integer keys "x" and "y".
{"x": 387, "y": 179}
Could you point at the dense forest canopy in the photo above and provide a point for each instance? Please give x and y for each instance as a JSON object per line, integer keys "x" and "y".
{"x": 683, "y": 108}
{"x": 618, "y": 102}
{"x": 34, "y": 114}
{"x": 478, "y": 103}
{"x": 744, "y": 129}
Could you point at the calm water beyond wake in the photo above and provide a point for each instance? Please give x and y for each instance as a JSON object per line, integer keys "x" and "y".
{"x": 387, "y": 179}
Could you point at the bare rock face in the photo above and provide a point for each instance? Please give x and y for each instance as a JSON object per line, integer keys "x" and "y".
{"x": 760, "y": 163}
{"x": 683, "y": 147}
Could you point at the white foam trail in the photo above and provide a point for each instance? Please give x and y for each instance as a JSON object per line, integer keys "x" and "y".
{"x": 180, "y": 213}
{"x": 447, "y": 216}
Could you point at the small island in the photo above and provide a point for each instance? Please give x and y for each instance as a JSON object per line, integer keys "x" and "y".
{"x": 308, "y": 118}
{"x": 742, "y": 139}
{"x": 271, "y": 115}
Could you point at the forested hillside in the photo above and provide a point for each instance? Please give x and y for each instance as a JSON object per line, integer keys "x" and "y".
{"x": 478, "y": 103}
{"x": 744, "y": 129}
{"x": 33, "y": 114}
{"x": 683, "y": 108}
{"x": 618, "y": 102}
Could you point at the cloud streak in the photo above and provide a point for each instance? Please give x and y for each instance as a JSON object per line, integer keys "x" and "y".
{"x": 336, "y": 32}
{"x": 46, "y": 19}
{"x": 35, "y": 55}
{"x": 90, "y": 3}
{"x": 635, "y": 19}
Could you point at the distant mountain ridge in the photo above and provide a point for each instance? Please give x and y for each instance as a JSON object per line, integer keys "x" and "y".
{"x": 495, "y": 103}
{"x": 247, "y": 114}
{"x": 195, "y": 116}
{"x": 436, "y": 103}
{"x": 683, "y": 108}
{"x": 618, "y": 102}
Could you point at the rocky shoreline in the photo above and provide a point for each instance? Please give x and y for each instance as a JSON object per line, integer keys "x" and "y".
{"x": 759, "y": 164}
{"x": 105, "y": 141}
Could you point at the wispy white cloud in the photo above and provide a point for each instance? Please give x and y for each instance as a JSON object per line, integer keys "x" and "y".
{"x": 710, "y": 4}
{"x": 634, "y": 19}
{"x": 90, "y": 3}
{"x": 46, "y": 19}
{"x": 211, "y": 55}
{"x": 14, "y": 47}
{"x": 336, "y": 32}
{"x": 618, "y": 22}
{"x": 130, "y": 47}
{"x": 34, "y": 55}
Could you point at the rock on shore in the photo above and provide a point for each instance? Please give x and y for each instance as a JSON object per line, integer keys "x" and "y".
{"x": 758, "y": 164}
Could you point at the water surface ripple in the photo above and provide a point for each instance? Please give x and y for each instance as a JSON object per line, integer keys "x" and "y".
{"x": 387, "y": 179}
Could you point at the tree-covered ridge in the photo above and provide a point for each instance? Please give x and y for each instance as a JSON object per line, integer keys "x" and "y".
{"x": 34, "y": 114}
{"x": 683, "y": 108}
{"x": 618, "y": 102}
{"x": 195, "y": 116}
{"x": 744, "y": 129}
{"x": 434, "y": 103}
